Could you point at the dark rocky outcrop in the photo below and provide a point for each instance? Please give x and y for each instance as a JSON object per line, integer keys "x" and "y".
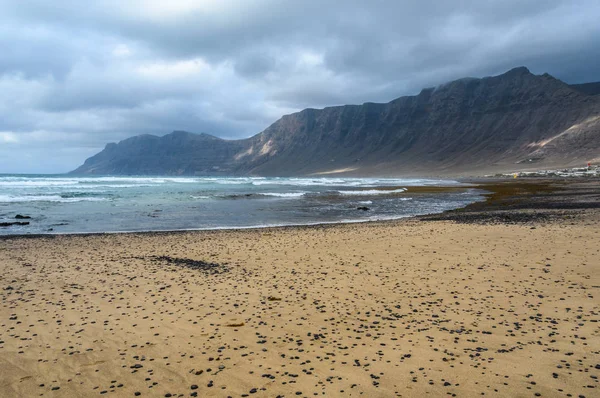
{"x": 11, "y": 223}
{"x": 501, "y": 123}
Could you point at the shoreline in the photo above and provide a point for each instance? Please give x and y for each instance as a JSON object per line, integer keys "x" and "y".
{"x": 495, "y": 190}
{"x": 424, "y": 189}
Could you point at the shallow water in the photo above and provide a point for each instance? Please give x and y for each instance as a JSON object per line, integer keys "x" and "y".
{"x": 65, "y": 204}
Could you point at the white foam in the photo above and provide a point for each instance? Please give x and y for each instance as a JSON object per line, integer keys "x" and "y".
{"x": 231, "y": 181}
{"x": 350, "y": 182}
{"x": 36, "y": 183}
{"x": 371, "y": 192}
{"x": 46, "y": 198}
{"x": 117, "y": 182}
{"x": 284, "y": 194}
{"x": 137, "y": 181}
{"x": 114, "y": 186}
{"x": 305, "y": 182}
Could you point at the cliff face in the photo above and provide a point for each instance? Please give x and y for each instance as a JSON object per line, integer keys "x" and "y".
{"x": 468, "y": 125}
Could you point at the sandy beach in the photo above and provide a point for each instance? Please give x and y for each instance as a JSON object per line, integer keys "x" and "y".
{"x": 501, "y": 301}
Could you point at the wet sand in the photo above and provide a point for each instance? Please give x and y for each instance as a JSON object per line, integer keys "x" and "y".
{"x": 470, "y": 303}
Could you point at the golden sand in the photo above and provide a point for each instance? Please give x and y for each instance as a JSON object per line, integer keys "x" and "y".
{"x": 407, "y": 308}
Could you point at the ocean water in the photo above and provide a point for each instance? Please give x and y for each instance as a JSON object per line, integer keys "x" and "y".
{"x": 65, "y": 204}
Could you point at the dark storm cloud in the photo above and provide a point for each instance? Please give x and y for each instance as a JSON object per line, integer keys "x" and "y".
{"x": 75, "y": 75}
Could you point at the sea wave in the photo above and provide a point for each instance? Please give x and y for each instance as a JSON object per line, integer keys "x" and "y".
{"x": 74, "y": 194}
{"x": 116, "y": 182}
{"x": 370, "y": 192}
{"x": 138, "y": 180}
{"x": 47, "y": 198}
{"x": 348, "y": 182}
{"x": 234, "y": 180}
{"x": 284, "y": 194}
{"x": 305, "y": 182}
{"x": 31, "y": 183}
{"x": 258, "y": 195}
{"x": 112, "y": 186}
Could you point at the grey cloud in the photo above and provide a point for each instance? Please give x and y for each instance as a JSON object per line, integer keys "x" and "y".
{"x": 75, "y": 75}
{"x": 255, "y": 64}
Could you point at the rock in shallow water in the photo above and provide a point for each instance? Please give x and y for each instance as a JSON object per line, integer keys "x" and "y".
{"x": 9, "y": 224}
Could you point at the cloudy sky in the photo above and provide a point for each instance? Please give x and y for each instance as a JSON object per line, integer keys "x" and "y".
{"x": 75, "y": 75}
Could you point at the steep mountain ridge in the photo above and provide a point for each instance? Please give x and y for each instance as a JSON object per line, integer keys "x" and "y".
{"x": 469, "y": 125}
{"x": 178, "y": 153}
